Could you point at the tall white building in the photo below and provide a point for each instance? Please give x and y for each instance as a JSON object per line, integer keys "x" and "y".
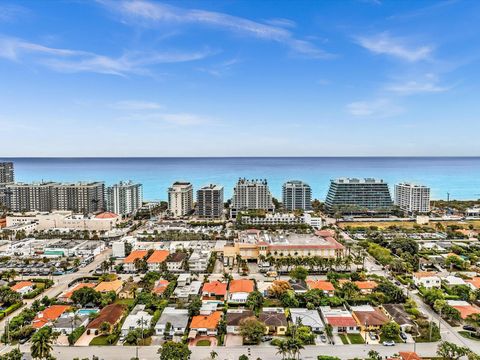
{"x": 251, "y": 195}
{"x": 296, "y": 195}
{"x": 210, "y": 202}
{"x": 180, "y": 198}
{"x": 412, "y": 198}
{"x": 124, "y": 198}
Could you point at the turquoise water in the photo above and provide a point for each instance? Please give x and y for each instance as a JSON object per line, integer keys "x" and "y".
{"x": 86, "y": 311}
{"x": 460, "y": 176}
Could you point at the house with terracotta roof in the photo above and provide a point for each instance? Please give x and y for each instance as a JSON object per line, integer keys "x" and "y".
{"x": 238, "y": 290}
{"x": 129, "y": 261}
{"x": 23, "y": 287}
{"x": 49, "y": 315}
{"x": 367, "y": 286}
{"x": 214, "y": 290}
{"x": 409, "y": 355}
{"x": 106, "y": 286}
{"x": 111, "y": 314}
{"x": 234, "y": 317}
{"x": 464, "y": 308}
{"x": 160, "y": 286}
{"x": 275, "y": 320}
{"x": 325, "y": 286}
{"x": 340, "y": 319}
{"x": 205, "y": 325}
{"x": 474, "y": 283}
{"x": 66, "y": 296}
{"x": 156, "y": 259}
{"x": 369, "y": 318}
{"x": 426, "y": 279}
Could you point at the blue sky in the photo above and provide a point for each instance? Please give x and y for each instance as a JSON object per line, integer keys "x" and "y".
{"x": 239, "y": 78}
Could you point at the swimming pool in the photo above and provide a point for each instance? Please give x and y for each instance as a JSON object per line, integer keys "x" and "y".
{"x": 86, "y": 311}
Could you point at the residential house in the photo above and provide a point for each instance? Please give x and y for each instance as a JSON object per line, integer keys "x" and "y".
{"x": 129, "y": 261}
{"x": 214, "y": 290}
{"x": 369, "y": 318}
{"x": 49, "y": 315}
{"x": 474, "y": 283}
{"x": 263, "y": 287}
{"x": 234, "y": 317}
{"x": 178, "y": 320}
{"x": 106, "y": 286}
{"x": 340, "y": 319}
{"x": 111, "y": 314}
{"x": 298, "y": 286}
{"x": 68, "y": 322}
{"x": 325, "y": 286}
{"x": 310, "y": 318}
{"x": 184, "y": 279}
{"x": 426, "y": 279}
{"x": 23, "y": 287}
{"x": 238, "y": 290}
{"x": 128, "y": 291}
{"x": 452, "y": 280}
{"x": 66, "y": 296}
{"x": 366, "y": 287}
{"x": 275, "y": 320}
{"x": 187, "y": 292}
{"x": 137, "y": 319}
{"x": 175, "y": 261}
{"x": 409, "y": 355}
{"x": 397, "y": 313}
{"x": 205, "y": 325}
{"x": 464, "y": 308}
{"x": 160, "y": 286}
{"x": 198, "y": 261}
{"x": 154, "y": 262}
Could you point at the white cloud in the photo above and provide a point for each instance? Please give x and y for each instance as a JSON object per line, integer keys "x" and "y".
{"x": 379, "y": 108}
{"x": 154, "y": 13}
{"x": 385, "y": 44}
{"x": 429, "y": 84}
{"x": 9, "y": 12}
{"x": 66, "y": 60}
{"x": 136, "y": 105}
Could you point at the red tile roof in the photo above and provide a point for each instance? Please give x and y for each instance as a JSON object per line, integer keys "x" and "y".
{"x": 341, "y": 321}
{"x": 409, "y": 355}
{"x": 48, "y": 315}
{"x": 21, "y": 284}
{"x": 241, "y": 285}
{"x": 321, "y": 285}
{"x": 158, "y": 256}
{"x": 206, "y": 321}
{"x": 160, "y": 286}
{"x": 134, "y": 255}
{"x": 215, "y": 287}
{"x": 106, "y": 215}
{"x": 466, "y": 310}
{"x": 475, "y": 282}
{"x": 366, "y": 285}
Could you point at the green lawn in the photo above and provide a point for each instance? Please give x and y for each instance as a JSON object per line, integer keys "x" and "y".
{"x": 203, "y": 343}
{"x": 469, "y": 335}
{"x": 126, "y": 302}
{"x": 99, "y": 340}
{"x": 344, "y": 339}
{"x": 356, "y": 339}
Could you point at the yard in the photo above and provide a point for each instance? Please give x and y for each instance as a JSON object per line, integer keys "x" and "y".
{"x": 99, "y": 340}
{"x": 203, "y": 342}
{"x": 355, "y": 339}
{"x": 469, "y": 335}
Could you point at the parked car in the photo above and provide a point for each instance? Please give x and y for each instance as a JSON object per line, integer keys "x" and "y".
{"x": 469, "y": 328}
{"x": 323, "y": 338}
{"x": 267, "y": 338}
{"x": 372, "y": 335}
{"x": 389, "y": 343}
{"x": 403, "y": 336}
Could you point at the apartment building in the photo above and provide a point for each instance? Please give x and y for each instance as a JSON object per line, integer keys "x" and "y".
{"x": 180, "y": 198}
{"x": 412, "y": 198}
{"x": 124, "y": 198}
{"x": 296, "y": 195}
{"x": 210, "y": 202}
{"x": 358, "y": 196}
{"x": 251, "y": 195}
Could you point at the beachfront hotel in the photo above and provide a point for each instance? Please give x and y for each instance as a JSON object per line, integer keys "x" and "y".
{"x": 358, "y": 196}
{"x": 251, "y": 195}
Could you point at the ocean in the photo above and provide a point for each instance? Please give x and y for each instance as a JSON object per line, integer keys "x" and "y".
{"x": 459, "y": 176}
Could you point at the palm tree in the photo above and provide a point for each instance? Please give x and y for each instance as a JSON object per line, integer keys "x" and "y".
{"x": 283, "y": 349}
{"x": 213, "y": 355}
{"x": 41, "y": 345}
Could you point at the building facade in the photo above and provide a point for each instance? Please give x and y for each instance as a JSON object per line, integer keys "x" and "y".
{"x": 358, "y": 196}
{"x": 210, "y": 202}
{"x": 412, "y": 198}
{"x": 180, "y": 198}
{"x": 296, "y": 195}
{"x": 48, "y": 196}
{"x": 7, "y": 177}
{"x": 124, "y": 198}
{"x": 251, "y": 195}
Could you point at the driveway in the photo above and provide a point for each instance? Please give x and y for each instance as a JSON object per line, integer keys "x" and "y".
{"x": 233, "y": 340}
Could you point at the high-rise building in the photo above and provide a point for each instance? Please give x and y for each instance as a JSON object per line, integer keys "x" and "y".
{"x": 124, "y": 198}
{"x": 251, "y": 195}
{"x": 210, "y": 202}
{"x": 412, "y": 198}
{"x": 48, "y": 196}
{"x": 358, "y": 196}
{"x": 6, "y": 177}
{"x": 296, "y": 195}
{"x": 180, "y": 198}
